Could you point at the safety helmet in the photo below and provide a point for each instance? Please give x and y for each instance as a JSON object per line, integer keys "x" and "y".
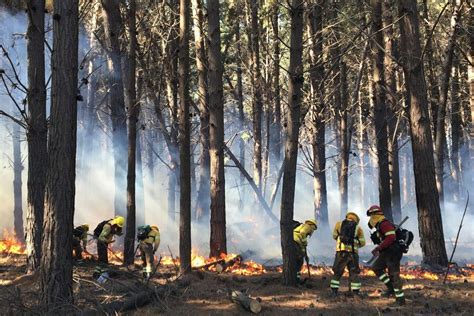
{"x": 374, "y": 210}
{"x": 119, "y": 221}
{"x": 312, "y": 222}
{"x": 86, "y": 227}
{"x": 353, "y": 216}
{"x": 154, "y": 227}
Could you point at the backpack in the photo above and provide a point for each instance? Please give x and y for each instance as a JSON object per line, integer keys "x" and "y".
{"x": 403, "y": 236}
{"x": 78, "y": 231}
{"x": 143, "y": 231}
{"x": 296, "y": 224}
{"x": 98, "y": 229}
{"x": 348, "y": 232}
{"x": 404, "y": 239}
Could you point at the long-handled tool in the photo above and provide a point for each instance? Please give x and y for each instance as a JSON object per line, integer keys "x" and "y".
{"x": 306, "y": 258}
{"x": 396, "y": 227}
{"x": 153, "y": 272}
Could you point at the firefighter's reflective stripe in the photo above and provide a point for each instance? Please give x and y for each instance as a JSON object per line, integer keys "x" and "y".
{"x": 390, "y": 232}
{"x": 334, "y": 284}
{"x": 355, "y": 286}
{"x": 147, "y": 269}
{"x": 399, "y": 293}
{"x": 384, "y": 278}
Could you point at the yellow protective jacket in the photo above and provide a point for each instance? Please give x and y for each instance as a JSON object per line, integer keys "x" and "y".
{"x": 153, "y": 238}
{"x": 359, "y": 241}
{"x": 106, "y": 236}
{"x": 301, "y": 234}
{"x": 83, "y": 237}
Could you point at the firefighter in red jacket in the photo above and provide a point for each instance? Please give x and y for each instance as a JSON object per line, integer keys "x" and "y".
{"x": 388, "y": 252}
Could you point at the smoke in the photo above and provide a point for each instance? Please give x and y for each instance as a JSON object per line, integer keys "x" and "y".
{"x": 247, "y": 227}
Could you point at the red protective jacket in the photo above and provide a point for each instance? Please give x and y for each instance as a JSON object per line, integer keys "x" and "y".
{"x": 387, "y": 234}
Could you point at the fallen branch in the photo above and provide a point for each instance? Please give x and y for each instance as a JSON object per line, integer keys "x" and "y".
{"x": 222, "y": 266}
{"x": 260, "y": 197}
{"x": 456, "y": 242}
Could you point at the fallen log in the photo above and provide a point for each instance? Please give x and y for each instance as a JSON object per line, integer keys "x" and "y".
{"x": 208, "y": 265}
{"x": 244, "y": 300}
{"x": 222, "y": 266}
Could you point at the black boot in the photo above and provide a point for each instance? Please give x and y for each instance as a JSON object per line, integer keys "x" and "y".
{"x": 357, "y": 293}
{"x": 390, "y": 291}
{"x": 333, "y": 293}
{"x": 401, "y": 300}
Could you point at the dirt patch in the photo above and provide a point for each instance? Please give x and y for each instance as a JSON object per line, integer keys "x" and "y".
{"x": 207, "y": 293}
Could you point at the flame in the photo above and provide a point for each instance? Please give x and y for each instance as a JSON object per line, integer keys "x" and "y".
{"x": 9, "y": 244}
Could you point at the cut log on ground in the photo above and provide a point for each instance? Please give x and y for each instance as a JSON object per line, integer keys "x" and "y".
{"x": 250, "y": 304}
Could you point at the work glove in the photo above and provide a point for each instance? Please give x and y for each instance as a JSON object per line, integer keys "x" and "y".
{"x": 376, "y": 252}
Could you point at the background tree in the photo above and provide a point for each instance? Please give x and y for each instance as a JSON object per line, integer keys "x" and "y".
{"x": 56, "y": 268}
{"x": 295, "y": 73}
{"x": 429, "y": 213}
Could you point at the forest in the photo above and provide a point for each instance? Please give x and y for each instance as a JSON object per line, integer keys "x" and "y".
{"x": 206, "y": 157}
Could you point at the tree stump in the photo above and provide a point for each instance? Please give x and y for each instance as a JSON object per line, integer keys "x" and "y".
{"x": 246, "y": 302}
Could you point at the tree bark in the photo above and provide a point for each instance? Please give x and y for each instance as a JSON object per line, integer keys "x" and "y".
{"x": 392, "y": 108}
{"x": 440, "y": 143}
{"x": 257, "y": 102}
{"x": 295, "y": 84}
{"x": 427, "y": 200}
{"x": 184, "y": 140}
{"x": 218, "y": 241}
{"x": 203, "y": 202}
{"x": 17, "y": 183}
{"x": 380, "y": 109}
{"x": 240, "y": 105}
{"x": 133, "y": 109}
{"x": 275, "y": 140}
{"x": 315, "y": 35}
{"x": 36, "y": 134}
{"x": 113, "y": 27}
{"x": 56, "y": 268}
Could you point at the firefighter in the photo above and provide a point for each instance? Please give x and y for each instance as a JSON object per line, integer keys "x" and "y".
{"x": 388, "y": 251}
{"x": 349, "y": 238}
{"x": 79, "y": 235}
{"x": 105, "y": 233}
{"x": 149, "y": 241}
{"x": 301, "y": 232}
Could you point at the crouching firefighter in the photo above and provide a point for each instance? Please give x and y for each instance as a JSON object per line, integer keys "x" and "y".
{"x": 349, "y": 238}
{"x": 79, "y": 236}
{"x": 301, "y": 232}
{"x": 105, "y": 232}
{"x": 388, "y": 253}
{"x": 148, "y": 242}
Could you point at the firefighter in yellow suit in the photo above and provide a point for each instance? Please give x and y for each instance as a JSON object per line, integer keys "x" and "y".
{"x": 349, "y": 238}
{"x": 148, "y": 247}
{"x": 300, "y": 237}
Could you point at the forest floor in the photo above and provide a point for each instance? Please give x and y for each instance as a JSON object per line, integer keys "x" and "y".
{"x": 206, "y": 293}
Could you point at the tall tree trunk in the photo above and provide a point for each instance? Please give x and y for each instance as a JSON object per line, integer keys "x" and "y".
{"x": 56, "y": 268}
{"x": 275, "y": 133}
{"x": 240, "y": 105}
{"x": 315, "y": 35}
{"x": 133, "y": 109}
{"x": 295, "y": 95}
{"x": 17, "y": 183}
{"x": 380, "y": 109}
{"x": 218, "y": 242}
{"x": 36, "y": 134}
{"x": 113, "y": 26}
{"x": 184, "y": 140}
{"x": 440, "y": 143}
{"x": 343, "y": 136}
{"x": 392, "y": 107}
{"x": 430, "y": 63}
{"x": 427, "y": 200}
{"x": 203, "y": 202}
{"x": 257, "y": 102}
{"x": 455, "y": 130}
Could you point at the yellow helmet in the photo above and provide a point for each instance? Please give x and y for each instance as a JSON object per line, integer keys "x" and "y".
{"x": 353, "y": 216}
{"x": 119, "y": 221}
{"x": 154, "y": 227}
{"x": 312, "y": 222}
{"x": 86, "y": 227}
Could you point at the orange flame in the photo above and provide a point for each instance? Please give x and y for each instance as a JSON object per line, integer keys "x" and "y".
{"x": 9, "y": 244}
